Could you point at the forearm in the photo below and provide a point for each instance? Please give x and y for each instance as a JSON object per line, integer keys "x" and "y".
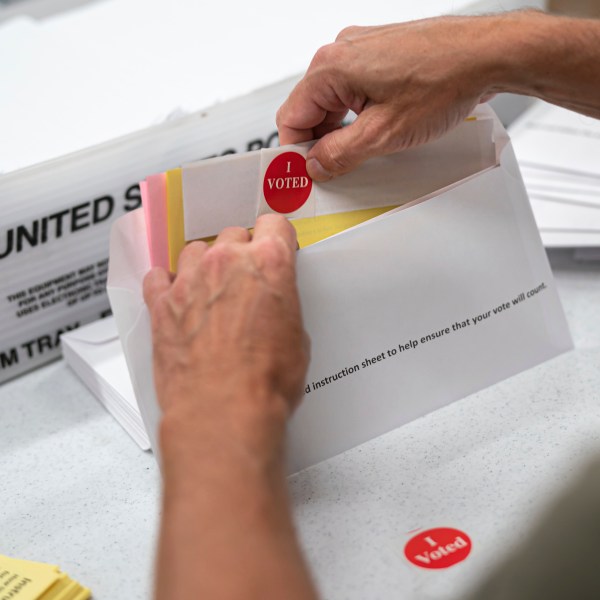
{"x": 410, "y": 83}
{"x": 553, "y": 58}
{"x": 227, "y": 530}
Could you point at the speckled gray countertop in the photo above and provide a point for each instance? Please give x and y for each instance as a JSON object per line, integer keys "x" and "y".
{"x": 77, "y": 491}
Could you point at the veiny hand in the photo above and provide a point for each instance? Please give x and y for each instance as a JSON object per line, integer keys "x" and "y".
{"x": 408, "y": 83}
{"x": 230, "y": 358}
{"x": 230, "y": 351}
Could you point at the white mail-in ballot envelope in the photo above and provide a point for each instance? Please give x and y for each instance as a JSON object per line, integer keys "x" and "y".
{"x": 441, "y": 296}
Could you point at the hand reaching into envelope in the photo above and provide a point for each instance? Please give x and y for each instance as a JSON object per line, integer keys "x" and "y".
{"x": 230, "y": 357}
{"x": 227, "y": 332}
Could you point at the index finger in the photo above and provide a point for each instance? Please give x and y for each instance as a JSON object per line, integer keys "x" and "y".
{"x": 312, "y": 103}
{"x": 277, "y": 226}
{"x": 297, "y": 117}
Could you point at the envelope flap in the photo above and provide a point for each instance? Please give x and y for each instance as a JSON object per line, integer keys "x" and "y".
{"x": 137, "y": 347}
{"x": 129, "y": 259}
{"x": 129, "y": 263}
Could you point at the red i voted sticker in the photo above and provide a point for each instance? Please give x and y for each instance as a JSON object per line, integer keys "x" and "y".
{"x": 438, "y": 548}
{"x": 287, "y": 185}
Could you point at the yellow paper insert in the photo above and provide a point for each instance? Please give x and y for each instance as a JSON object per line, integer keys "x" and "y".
{"x": 314, "y": 229}
{"x": 175, "y": 228}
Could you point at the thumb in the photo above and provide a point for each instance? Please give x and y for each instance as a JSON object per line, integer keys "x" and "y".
{"x": 342, "y": 150}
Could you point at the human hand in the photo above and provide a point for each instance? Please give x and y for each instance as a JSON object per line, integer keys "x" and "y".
{"x": 230, "y": 358}
{"x": 230, "y": 352}
{"x": 409, "y": 83}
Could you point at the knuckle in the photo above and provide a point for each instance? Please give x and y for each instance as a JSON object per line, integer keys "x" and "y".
{"x": 271, "y": 249}
{"x": 149, "y": 283}
{"x": 234, "y": 230}
{"x": 277, "y": 219}
{"x": 217, "y": 259}
{"x": 325, "y": 55}
{"x": 192, "y": 250}
{"x": 233, "y": 235}
{"x": 374, "y": 135}
{"x": 273, "y": 252}
{"x": 279, "y": 224}
{"x": 382, "y": 133}
{"x": 179, "y": 296}
{"x": 162, "y": 310}
{"x": 348, "y": 32}
{"x": 161, "y": 316}
{"x": 375, "y": 132}
{"x": 197, "y": 245}
{"x": 337, "y": 156}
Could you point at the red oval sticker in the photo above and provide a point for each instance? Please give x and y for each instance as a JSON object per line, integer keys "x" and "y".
{"x": 438, "y": 548}
{"x": 287, "y": 185}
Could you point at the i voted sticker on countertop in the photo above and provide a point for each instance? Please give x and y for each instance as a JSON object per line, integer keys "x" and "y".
{"x": 438, "y": 548}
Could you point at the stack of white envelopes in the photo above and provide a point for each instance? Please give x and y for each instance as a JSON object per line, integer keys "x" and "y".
{"x": 559, "y": 155}
{"x": 94, "y": 353}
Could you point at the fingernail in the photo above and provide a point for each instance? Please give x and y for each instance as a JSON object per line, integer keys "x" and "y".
{"x": 316, "y": 170}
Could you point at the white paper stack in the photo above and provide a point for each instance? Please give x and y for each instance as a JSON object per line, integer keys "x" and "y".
{"x": 559, "y": 154}
{"x": 94, "y": 353}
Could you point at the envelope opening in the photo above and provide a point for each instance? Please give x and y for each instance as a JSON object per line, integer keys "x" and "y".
{"x": 220, "y": 192}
